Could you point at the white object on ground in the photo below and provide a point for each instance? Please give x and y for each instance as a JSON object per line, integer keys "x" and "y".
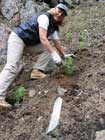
{"x": 100, "y": 135}
{"x": 55, "y": 117}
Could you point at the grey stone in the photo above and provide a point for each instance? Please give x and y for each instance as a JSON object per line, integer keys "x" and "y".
{"x": 8, "y": 8}
{"x": 32, "y": 92}
{"x": 61, "y": 91}
{"x": 100, "y": 135}
{"x": 30, "y": 9}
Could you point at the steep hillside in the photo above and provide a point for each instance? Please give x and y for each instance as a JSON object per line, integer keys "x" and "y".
{"x": 83, "y": 111}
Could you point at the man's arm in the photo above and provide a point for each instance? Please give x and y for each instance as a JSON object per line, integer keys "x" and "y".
{"x": 55, "y": 38}
{"x": 47, "y": 45}
{"x": 59, "y": 47}
{"x": 44, "y": 40}
{"x": 61, "y": 50}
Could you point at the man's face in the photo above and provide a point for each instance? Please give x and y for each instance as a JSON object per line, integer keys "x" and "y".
{"x": 59, "y": 15}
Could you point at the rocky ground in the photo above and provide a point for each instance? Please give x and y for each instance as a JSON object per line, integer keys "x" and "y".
{"x": 83, "y": 111}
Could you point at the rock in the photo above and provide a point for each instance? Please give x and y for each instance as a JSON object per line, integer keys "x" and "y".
{"x": 30, "y": 9}
{"x": 76, "y": 1}
{"x": 32, "y": 92}
{"x": 100, "y": 0}
{"x": 100, "y": 135}
{"x": 17, "y": 11}
{"x": 39, "y": 118}
{"x": 15, "y": 20}
{"x": 53, "y": 139}
{"x": 8, "y": 8}
{"x": 61, "y": 91}
{"x": 39, "y": 93}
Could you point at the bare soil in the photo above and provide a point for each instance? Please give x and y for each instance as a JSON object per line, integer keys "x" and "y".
{"x": 83, "y": 111}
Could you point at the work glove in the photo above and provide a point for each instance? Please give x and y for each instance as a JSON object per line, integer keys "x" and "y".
{"x": 69, "y": 55}
{"x": 57, "y": 59}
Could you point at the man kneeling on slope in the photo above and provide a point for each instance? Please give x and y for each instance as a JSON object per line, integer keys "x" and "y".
{"x": 35, "y": 33}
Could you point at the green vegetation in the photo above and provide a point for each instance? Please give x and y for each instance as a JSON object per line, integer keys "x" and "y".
{"x": 19, "y": 94}
{"x": 68, "y": 36}
{"x": 81, "y": 43}
{"x": 16, "y": 96}
{"x": 68, "y": 66}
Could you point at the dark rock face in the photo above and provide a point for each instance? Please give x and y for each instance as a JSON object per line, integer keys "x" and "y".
{"x": 8, "y": 8}
{"x": 53, "y": 3}
{"x": 17, "y": 11}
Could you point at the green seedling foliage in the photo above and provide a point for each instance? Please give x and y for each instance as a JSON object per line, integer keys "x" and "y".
{"x": 68, "y": 66}
{"x": 81, "y": 44}
{"x": 19, "y": 94}
{"x": 16, "y": 96}
{"x": 69, "y": 36}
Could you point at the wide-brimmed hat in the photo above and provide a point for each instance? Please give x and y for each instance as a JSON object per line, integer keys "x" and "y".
{"x": 63, "y": 7}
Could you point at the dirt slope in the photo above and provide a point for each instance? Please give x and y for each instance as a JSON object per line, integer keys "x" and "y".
{"x": 83, "y": 111}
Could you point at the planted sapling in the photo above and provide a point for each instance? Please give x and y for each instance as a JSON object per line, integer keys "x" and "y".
{"x": 81, "y": 43}
{"x": 68, "y": 66}
{"x": 68, "y": 36}
{"x": 16, "y": 96}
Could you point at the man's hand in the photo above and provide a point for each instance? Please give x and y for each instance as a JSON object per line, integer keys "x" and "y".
{"x": 57, "y": 59}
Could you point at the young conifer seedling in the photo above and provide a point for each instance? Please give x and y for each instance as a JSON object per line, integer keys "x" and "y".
{"x": 81, "y": 43}
{"x": 68, "y": 66}
{"x": 69, "y": 36}
{"x": 16, "y": 96}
